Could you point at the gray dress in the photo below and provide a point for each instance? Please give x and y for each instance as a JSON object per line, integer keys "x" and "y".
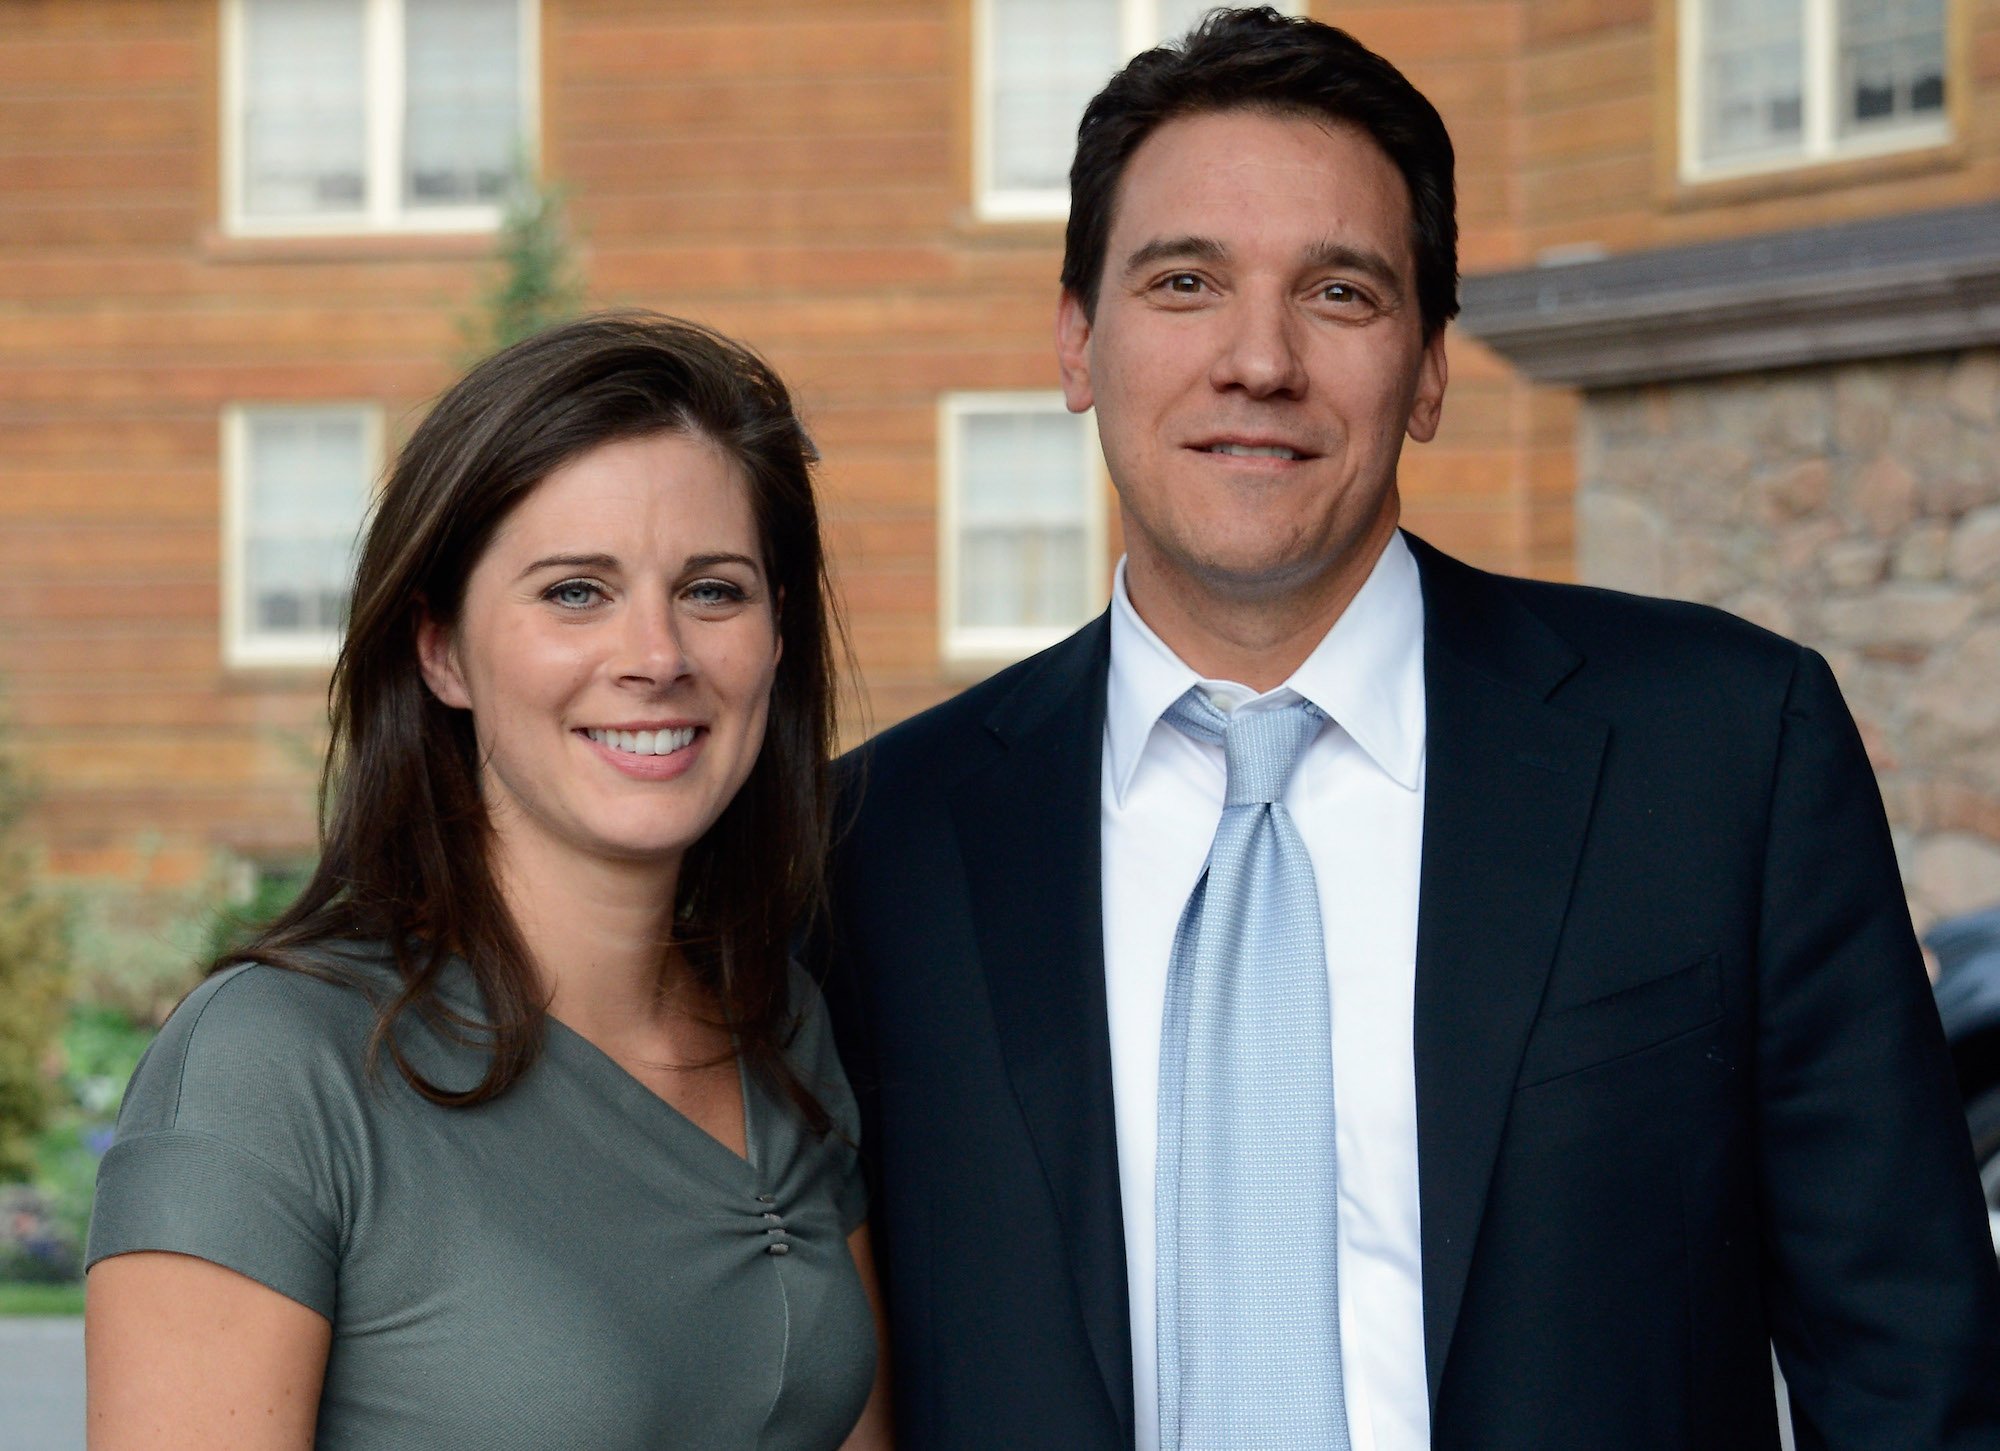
{"x": 574, "y": 1264}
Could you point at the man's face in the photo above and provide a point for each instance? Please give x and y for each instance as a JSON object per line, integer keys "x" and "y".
{"x": 1257, "y": 354}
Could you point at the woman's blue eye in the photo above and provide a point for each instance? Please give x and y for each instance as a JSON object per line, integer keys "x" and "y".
{"x": 714, "y": 592}
{"x": 574, "y": 594}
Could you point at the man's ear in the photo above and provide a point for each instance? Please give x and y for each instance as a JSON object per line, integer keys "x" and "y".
{"x": 1073, "y": 352}
{"x": 1427, "y": 408}
{"x": 437, "y": 656}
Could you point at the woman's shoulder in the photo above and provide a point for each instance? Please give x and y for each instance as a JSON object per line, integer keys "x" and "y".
{"x": 254, "y": 1034}
{"x": 245, "y": 1128}
{"x": 327, "y": 994}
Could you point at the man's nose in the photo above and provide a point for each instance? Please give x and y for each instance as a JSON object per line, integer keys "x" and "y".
{"x": 1263, "y": 349}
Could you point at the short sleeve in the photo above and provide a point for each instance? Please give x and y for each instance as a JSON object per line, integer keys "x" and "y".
{"x": 817, "y": 1062}
{"x": 236, "y": 1138}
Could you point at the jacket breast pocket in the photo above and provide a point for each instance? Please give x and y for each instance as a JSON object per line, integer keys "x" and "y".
{"x": 1625, "y": 1022}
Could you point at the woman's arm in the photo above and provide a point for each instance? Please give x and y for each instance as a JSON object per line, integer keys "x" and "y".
{"x": 873, "y": 1431}
{"x": 184, "y": 1355}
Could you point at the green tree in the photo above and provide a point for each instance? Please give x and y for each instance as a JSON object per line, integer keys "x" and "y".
{"x": 33, "y": 951}
{"x": 536, "y": 283}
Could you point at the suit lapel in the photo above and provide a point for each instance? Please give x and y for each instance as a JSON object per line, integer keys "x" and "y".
{"x": 1029, "y": 829}
{"x": 1508, "y": 790}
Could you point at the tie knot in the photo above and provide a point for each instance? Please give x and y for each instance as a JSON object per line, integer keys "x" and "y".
{"x": 1261, "y": 747}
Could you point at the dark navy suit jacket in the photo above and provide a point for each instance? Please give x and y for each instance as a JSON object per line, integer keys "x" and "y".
{"x": 1681, "y": 1090}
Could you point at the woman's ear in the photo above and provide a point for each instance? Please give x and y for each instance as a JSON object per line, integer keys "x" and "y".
{"x": 437, "y": 656}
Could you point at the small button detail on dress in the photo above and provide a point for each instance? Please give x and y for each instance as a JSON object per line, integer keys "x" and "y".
{"x": 774, "y": 1227}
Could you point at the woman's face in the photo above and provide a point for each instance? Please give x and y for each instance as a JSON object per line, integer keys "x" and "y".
{"x": 616, "y": 647}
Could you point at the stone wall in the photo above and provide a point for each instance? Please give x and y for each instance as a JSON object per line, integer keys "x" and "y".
{"x": 1855, "y": 508}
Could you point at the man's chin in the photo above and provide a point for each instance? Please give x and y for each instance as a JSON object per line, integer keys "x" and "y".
{"x": 1253, "y": 575}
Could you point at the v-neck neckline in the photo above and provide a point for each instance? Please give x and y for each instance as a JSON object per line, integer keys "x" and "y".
{"x": 641, "y": 1102}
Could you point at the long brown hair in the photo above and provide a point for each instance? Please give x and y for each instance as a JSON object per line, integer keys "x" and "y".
{"x": 404, "y": 832}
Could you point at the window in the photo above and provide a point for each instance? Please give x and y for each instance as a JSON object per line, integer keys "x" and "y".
{"x": 1038, "y": 63}
{"x": 1778, "y": 83}
{"x": 296, "y": 485}
{"x": 374, "y": 115}
{"x": 1022, "y": 523}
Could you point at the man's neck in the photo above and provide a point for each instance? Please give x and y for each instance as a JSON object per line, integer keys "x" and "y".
{"x": 1258, "y": 640}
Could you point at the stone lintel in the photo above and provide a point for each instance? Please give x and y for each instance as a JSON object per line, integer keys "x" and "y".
{"x": 1912, "y": 283}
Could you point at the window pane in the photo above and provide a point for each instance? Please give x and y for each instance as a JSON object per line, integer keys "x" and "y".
{"x": 304, "y": 126}
{"x": 305, "y": 493}
{"x": 1752, "y": 76}
{"x": 1024, "y": 511}
{"x": 1049, "y": 57}
{"x": 463, "y": 123}
{"x": 1891, "y": 62}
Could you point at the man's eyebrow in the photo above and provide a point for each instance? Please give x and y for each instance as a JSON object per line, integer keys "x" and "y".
{"x": 1350, "y": 258}
{"x": 1176, "y": 249}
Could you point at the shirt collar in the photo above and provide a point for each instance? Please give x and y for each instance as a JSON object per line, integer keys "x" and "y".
{"x": 1367, "y": 673}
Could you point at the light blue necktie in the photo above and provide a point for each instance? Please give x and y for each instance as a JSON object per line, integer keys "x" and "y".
{"x": 1248, "y": 1184}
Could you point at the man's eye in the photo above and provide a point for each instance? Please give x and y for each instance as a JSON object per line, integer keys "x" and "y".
{"x": 1185, "y": 283}
{"x": 1345, "y": 294}
{"x": 574, "y": 594}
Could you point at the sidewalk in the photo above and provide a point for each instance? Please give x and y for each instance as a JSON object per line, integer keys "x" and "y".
{"x": 41, "y": 1384}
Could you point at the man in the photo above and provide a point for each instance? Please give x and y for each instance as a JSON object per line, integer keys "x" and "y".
{"x": 1341, "y": 998}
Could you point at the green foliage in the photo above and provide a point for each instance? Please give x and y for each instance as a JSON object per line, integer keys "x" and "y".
{"x": 101, "y": 1047}
{"x": 33, "y": 952}
{"x": 536, "y": 283}
{"x": 135, "y": 949}
{"x": 271, "y": 891}
{"x": 41, "y": 1299}
{"x": 140, "y": 950}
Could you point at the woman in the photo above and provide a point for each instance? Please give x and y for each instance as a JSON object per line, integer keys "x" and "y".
{"x": 518, "y": 1130}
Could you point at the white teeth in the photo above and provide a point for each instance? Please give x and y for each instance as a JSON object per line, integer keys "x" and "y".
{"x": 644, "y": 743}
{"x": 1245, "y": 450}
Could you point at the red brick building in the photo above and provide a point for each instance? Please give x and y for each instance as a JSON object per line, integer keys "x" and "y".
{"x": 237, "y": 238}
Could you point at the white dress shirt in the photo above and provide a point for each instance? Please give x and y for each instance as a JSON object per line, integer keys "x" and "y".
{"x": 1358, "y": 799}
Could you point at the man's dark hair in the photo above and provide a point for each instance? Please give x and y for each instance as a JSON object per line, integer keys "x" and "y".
{"x": 1258, "y": 60}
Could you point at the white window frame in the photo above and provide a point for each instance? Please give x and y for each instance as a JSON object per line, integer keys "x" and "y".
{"x": 1820, "y": 138}
{"x": 243, "y": 648}
{"x": 1138, "y": 29}
{"x": 987, "y": 645}
{"x": 384, "y": 96}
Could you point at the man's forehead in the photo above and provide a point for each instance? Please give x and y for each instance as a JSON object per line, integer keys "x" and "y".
{"x": 1248, "y": 143}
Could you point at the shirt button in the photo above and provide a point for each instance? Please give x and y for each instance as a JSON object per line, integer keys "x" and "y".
{"x": 779, "y": 1248}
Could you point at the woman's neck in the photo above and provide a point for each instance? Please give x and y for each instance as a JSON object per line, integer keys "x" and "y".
{"x": 599, "y": 931}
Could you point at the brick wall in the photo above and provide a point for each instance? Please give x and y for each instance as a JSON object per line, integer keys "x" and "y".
{"x": 792, "y": 171}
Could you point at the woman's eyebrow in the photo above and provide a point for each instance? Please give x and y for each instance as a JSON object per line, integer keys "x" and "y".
{"x": 570, "y": 561}
{"x": 709, "y": 561}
